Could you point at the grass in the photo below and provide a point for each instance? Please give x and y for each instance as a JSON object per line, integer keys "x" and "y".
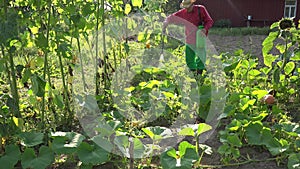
{"x": 239, "y": 31}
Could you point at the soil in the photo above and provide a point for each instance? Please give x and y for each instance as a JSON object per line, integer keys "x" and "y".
{"x": 249, "y": 43}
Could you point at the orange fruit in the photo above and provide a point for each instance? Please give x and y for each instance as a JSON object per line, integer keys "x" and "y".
{"x": 148, "y": 45}
{"x": 269, "y": 99}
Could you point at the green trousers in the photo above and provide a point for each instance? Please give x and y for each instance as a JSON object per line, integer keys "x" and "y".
{"x": 195, "y": 58}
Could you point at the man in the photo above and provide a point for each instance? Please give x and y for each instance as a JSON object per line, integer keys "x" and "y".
{"x": 191, "y": 16}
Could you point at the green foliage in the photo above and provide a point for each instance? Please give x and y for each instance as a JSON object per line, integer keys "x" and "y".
{"x": 223, "y": 23}
{"x": 41, "y": 43}
{"x": 294, "y": 161}
{"x": 66, "y": 142}
{"x": 252, "y": 119}
{"x": 30, "y": 139}
{"x": 183, "y": 158}
{"x": 92, "y": 154}
{"x": 11, "y": 157}
{"x": 239, "y": 31}
{"x": 44, "y": 158}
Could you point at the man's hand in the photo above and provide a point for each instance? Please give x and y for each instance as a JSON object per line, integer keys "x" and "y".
{"x": 204, "y": 32}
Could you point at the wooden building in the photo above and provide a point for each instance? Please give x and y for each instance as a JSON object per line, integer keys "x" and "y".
{"x": 258, "y": 13}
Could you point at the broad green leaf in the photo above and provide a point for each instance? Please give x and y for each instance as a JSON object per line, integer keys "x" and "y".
{"x": 277, "y": 146}
{"x": 188, "y": 131}
{"x": 234, "y": 140}
{"x": 274, "y": 25}
{"x": 58, "y": 100}
{"x": 188, "y": 154}
{"x": 224, "y": 149}
{"x": 92, "y": 154}
{"x": 276, "y": 76}
{"x": 281, "y": 48}
{"x": 2, "y": 65}
{"x": 141, "y": 37}
{"x": 10, "y": 158}
{"x": 296, "y": 56}
{"x": 127, "y": 9}
{"x": 249, "y": 103}
{"x": 138, "y": 148}
{"x": 59, "y": 146}
{"x": 158, "y": 133}
{"x": 168, "y": 161}
{"x": 294, "y": 161}
{"x": 172, "y": 153}
{"x": 66, "y": 142}
{"x": 254, "y": 72}
{"x": 168, "y": 94}
{"x": 228, "y": 111}
{"x": 269, "y": 59}
{"x": 203, "y": 128}
{"x": 268, "y": 43}
{"x": 289, "y": 67}
{"x": 103, "y": 142}
{"x": 123, "y": 144}
{"x": 148, "y": 132}
{"x": 34, "y": 30}
{"x": 18, "y": 122}
{"x": 30, "y": 139}
{"x": 234, "y": 125}
{"x": 137, "y": 3}
{"x": 260, "y": 117}
{"x": 26, "y": 75}
{"x": 230, "y": 67}
{"x": 256, "y": 134}
{"x": 38, "y": 85}
{"x": 235, "y": 152}
{"x": 41, "y": 41}
{"x": 184, "y": 160}
{"x": 259, "y": 93}
{"x": 44, "y": 158}
{"x": 183, "y": 146}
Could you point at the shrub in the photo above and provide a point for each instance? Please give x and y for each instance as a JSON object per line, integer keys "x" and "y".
{"x": 223, "y": 23}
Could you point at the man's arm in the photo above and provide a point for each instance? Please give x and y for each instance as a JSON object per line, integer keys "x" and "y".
{"x": 175, "y": 18}
{"x": 208, "y": 22}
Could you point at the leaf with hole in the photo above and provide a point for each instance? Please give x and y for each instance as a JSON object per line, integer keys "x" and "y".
{"x": 66, "y": 142}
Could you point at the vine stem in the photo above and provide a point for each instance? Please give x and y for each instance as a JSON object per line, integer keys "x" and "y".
{"x": 12, "y": 72}
{"x": 237, "y": 164}
{"x": 97, "y": 49}
{"x": 81, "y": 65}
{"x": 104, "y": 44}
{"x": 46, "y": 69}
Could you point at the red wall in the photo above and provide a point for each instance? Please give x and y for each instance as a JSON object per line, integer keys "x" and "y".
{"x": 237, "y": 10}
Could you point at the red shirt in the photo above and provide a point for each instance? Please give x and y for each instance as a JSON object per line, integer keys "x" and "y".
{"x": 191, "y": 21}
